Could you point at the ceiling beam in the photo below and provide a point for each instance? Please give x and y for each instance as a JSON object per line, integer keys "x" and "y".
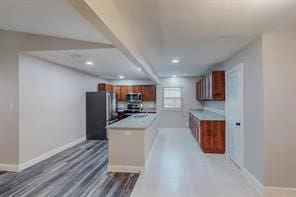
{"x": 34, "y": 42}
{"x": 105, "y": 17}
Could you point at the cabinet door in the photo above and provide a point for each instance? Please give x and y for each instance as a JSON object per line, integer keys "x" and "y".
{"x": 137, "y": 89}
{"x": 218, "y": 85}
{"x": 210, "y": 86}
{"x": 116, "y": 89}
{"x": 199, "y": 90}
{"x": 105, "y": 87}
{"x": 149, "y": 93}
{"x": 204, "y": 88}
{"x": 109, "y": 88}
{"x": 190, "y": 121}
{"x": 213, "y": 136}
{"x": 101, "y": 87}
{"x": 123, "y": 92}
{"x": 194, "y": 128}
{"x": 197, "y": 131}
{"x": 130, "y": 89}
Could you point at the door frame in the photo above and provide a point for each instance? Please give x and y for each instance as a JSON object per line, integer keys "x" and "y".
{"x": 242, "y": 154}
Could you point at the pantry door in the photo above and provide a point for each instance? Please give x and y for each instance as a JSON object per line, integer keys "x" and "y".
{"x": 234, "y": 113}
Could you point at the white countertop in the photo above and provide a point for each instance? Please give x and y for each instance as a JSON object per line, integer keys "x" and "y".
{"x": 207, "y": 115}
{"x": 137, "y": 121}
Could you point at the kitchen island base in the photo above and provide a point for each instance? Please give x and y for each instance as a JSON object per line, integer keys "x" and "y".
{"x": 130, "y": 145}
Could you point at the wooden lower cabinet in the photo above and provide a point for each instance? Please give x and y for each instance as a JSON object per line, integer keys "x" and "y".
{"x": 209, "y": 134}
{"x": 212, "y": 136}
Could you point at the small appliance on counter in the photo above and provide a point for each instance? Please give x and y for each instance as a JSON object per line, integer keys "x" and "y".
{"x": 101, "y": 110}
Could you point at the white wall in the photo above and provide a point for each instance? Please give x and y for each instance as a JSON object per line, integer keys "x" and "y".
{"x": 279, "y": 69}
{"x": 251, "y": 57}
{"x": 178, "y": 118}
{"x": 11, "y": 44}
{"x": 8, "y": 96}
{"x": 52, "y": 106}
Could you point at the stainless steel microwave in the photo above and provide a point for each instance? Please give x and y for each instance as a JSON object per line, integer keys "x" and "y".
{"x": 133, "y": 97}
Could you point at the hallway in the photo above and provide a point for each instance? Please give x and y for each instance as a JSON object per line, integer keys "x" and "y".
{"x": 178, "y": 167}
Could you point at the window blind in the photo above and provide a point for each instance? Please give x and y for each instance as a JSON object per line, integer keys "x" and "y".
{"x": 172, "y": 97}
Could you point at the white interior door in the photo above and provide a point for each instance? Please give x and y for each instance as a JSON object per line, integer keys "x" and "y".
{"x": 234, "y": 113}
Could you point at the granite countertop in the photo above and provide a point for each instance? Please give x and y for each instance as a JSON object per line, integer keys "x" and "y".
{"x": 207, "y": 115}
{"x": 137, "y": 121}
{"x": 143, "y": 111}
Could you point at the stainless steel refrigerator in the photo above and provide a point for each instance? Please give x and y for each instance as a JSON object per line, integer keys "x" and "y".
{"x": 101, "y": 110}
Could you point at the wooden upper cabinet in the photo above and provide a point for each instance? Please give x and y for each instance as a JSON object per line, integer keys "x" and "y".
{"x": 130, "y": 89}
{"x": 211, "y": 87}
{"x": 218, "y": 86}
{"x": 137, "y": 89}
{"x": 105, "y": 87}
{"x": 116, "y": 89}
{"x": 149, "y": 93}
{"x": 123, "y": 91}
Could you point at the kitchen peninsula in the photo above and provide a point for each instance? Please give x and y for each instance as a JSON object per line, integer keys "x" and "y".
{"x": 130, "y": 142}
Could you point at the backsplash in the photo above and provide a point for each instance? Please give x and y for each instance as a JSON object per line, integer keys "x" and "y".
{"x": 147, "y": 105}
{"x": 215, "y": 106}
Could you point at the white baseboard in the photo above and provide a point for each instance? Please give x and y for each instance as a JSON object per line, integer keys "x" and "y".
{"x": 8, "y": 167}
{"x": 253, "y": 181}
{"x": 128, "y": 169}
{"x": 147, "y": 161}
{"x": 279, "y": 192}
{"x": 49, "y": 154}
{"x": 268, "y": 191}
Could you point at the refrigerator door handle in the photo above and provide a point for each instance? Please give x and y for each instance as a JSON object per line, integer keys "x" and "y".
{"x": 108, "y": 106}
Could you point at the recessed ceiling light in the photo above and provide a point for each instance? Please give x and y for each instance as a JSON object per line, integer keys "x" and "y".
{"x": 175, "y": 60}
{"x": 174, "y": 76}
{"x": 89, "y": 63}
{"x": 121, "y": 77}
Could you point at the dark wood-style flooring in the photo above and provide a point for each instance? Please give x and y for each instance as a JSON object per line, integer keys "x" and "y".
{"x": 76, "y": 172}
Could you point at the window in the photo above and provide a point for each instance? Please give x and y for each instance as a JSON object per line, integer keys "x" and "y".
{"x": 172, "y": 97}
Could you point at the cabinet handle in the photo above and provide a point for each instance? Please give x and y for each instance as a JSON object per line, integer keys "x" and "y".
{"x": 237, "y": 124}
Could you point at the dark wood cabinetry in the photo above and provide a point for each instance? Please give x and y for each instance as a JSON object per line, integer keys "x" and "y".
{"x": 137, "y": 89}
{"x": 122, "y": 93}
{"x": 116, "y": 89}
{"x": 105, "y": 87}
{"x": 209, "y": 134}
{"x": 148, "y": 91}
{"x": 211, "y": 87}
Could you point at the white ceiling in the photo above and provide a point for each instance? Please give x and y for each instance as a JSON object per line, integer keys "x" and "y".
{"x": 108, "y": 63}
{"x": 47, "y": 17}
{"x": 200, "y": 32}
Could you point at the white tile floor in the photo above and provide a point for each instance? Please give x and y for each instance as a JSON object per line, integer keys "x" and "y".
{"x": 178, "y": 167}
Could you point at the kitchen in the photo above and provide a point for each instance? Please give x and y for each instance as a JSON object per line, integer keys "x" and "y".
{"x": 147, "y": 98}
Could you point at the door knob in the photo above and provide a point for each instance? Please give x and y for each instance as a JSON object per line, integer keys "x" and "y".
{"x": 237, "y": 124}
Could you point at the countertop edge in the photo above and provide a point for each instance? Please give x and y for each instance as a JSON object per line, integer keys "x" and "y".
{"x": 110, "y": 127}
{"x": 193, "y": 112}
